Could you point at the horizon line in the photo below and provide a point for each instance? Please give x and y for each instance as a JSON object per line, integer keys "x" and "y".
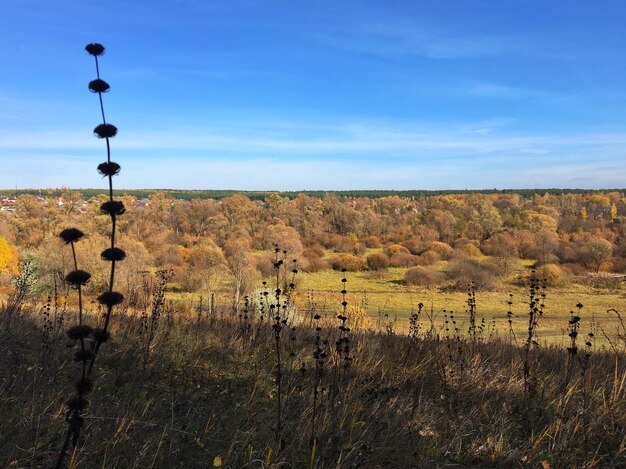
{"x": 271, "y": 191}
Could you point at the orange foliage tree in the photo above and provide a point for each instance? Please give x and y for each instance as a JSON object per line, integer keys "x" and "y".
{"x": 9, "y": 259}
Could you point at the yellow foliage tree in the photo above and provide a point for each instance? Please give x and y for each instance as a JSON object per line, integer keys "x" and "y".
{"x": 9, "y": 259}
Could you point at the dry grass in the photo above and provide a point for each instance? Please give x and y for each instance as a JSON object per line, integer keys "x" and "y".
{"x": 388, "y": 299}
{"x": 205, "y": 396}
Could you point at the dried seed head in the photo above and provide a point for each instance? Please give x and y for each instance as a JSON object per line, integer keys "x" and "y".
{"x": 100, "y": 335}
{"x": 109, "y": 168}
{"x": 113, "y": 254}
{"x": 110, "y": 298}
{"x": 78, "y": 277}
{"x": 79, "y": 332}
{"x": 113, "y": 207}
{"x": 99, "y": 86}
{"x": 105, "y": 131}
{"x": 95, "y": 49}
{"x": 71, "y": 235}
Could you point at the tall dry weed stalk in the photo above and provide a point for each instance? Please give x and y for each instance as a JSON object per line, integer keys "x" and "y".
{"x": 91, "y": 339}
{"x": 536, "y": 305}
{"x": 279, "y": 310}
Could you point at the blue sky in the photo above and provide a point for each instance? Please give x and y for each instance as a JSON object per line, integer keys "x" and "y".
{"x": 291, "y": 95}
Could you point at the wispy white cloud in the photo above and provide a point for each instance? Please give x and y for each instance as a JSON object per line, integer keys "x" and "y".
{"x": 12, "y": 117}
{"x": 401, "y": 38}
{"x": 494, "y": 90}
{"x": 349, "y": 139}
{"x": 342, "y": 155}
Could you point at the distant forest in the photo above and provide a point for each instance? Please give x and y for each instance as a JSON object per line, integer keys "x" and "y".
{"x": 438, "y": 238}
{"x": 261, "y": 195}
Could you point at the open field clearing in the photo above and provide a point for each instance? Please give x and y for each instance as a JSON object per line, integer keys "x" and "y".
{"x": 384, "y": 299}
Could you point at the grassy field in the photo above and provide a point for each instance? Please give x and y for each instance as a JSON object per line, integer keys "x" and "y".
{"x": 385, "y": 298}
{"x": 182, "y": 389}
{"x": 204, "y": 392}
{"x": 386, "y": 301}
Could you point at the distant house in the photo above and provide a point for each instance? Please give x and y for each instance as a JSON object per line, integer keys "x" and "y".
{"x": 8, "y": 204}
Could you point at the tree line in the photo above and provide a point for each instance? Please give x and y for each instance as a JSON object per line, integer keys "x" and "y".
{"x": 212, "y": 244}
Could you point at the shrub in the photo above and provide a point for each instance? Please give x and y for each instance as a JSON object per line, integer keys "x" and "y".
{"x": 349, "y": 262}
{"x": 377, "y": 261}
{"x": 467, "y": 271}
{"x": 9, "y": 258}
{"x": 501, "y": 245}
{"x": 414, "y": 245}
{"x": 341, "y": 243}
{"x": 315, "y": 264}
{"x": 552, "y": 274}
{"x": 265, "y": 266}
{"x": 607, "y": 281}
{"x": 505, "y": 266}
{"x": 395, "y": 249}
{"x": 422, "y": 276}
{"x": 470, "y": 250}
{"x": 314, "y": 251}
{"x": 403, "y": 259}
{"x": 619, "y": 265}
{"x": 546, "y": 245}
{"x": 428, "y": 258}
{"x": 314, "y": 261}
{"x": 359, "y": 249}
{"x": 573, "y": 268}
{"x": 596, "y": 252}
{"x": 444, "y": 250}
{"x": 567, "y": 254}
{"x": 460, "y": 242}
{"x": 372, "y": 242}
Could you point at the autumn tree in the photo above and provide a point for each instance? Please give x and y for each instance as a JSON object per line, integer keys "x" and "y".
{"x": 32, "y": 221}
{"x": 203, "y": 263}
{"x": 536, "y": 222}
{"x": 546, "y": 244}
{"x": 484, "y": 221}
{"x": 305, "y": 215}
{"x": 240, "y": 212}
{"x": 243, "y": 274}
{"x": 194, "y": 217}
{"x": 596, "y": 252}
{"x": 285, "y": 236}
{"x": 69, "y": 201}
{"x": 9, "y": 259}
{"x": 503, "y": 247}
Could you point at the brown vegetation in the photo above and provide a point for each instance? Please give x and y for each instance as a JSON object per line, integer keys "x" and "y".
{"x": 195, "y": 238}
{"x": 198, "y": 388}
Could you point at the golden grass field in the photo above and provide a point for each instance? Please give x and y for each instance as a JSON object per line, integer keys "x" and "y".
{"x": 183, "y": 389}
{"x": 386, "y": 298}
